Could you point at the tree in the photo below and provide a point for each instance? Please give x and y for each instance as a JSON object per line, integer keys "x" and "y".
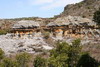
{"x": 1, "y": 54}
{"x": 74, "y": 53}
{"x": 59, "y": 55}
{"x": 23, "y": 59}
{"x": 39, "y": 62}
{"x": 87, "y": 61}
{"x": 96, "y": 17}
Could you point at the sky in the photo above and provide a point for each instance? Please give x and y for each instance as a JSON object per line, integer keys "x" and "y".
{"x": 32, "y": 8}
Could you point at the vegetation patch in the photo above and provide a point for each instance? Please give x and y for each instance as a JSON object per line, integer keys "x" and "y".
{"x": 2, "y": 32}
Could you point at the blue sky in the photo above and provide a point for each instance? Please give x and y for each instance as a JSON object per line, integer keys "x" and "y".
{"x": 32, "y": 8}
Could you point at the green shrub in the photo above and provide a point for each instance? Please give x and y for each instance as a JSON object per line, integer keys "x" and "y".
{"x": 3, "y": 32}
{"x": 7, "y": 62}
{"x": 1, "y": 54}
{"x": 65, "y": 55}
{"x": 74, "y": 53}
{"x": 39, "y": 62}
{"x": 59, "y": 56}
{"x": 96, "y": 17}
{"x": 23, "y": 59}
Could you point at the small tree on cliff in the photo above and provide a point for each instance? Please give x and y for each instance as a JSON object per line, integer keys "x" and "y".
{"x": 96, "y": 17}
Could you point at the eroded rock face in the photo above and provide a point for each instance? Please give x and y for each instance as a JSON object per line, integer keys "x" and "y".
{"x": 74, "y": 27}
{"x": 64, "y": 29}
{"x": 34, "y": 45}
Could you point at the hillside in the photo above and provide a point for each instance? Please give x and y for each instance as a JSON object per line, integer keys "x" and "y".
{"x": 36, "y": 35}
{"x": 85, "y": 8}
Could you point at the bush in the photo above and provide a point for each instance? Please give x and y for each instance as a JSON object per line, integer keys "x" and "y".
{"x": 1, "y": 54}
{"x": 23, "y": 59}
{"x": 65, "y": 55}
{"x": 74, "y": 53}
{"x": 7, "y": 62}
{"x": 59, "y": 56}
{"x": 3, "y": 32}
{"x": 39, "y": 62}
{"x": 96, "y": 17}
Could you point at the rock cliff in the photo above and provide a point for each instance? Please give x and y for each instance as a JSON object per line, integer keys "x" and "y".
{"x": 85, "y": 8}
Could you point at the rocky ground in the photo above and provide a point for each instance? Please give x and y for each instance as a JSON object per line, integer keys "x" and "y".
{"x": 36, "y": 44}
{"x": 33, "y": 45}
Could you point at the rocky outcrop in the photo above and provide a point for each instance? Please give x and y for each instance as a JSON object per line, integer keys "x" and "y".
{"x": 26, "y": 23}
{"x": 85, "y": 8}
{"x": 33, "y": 45}
{"x": 63, "y": 29}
